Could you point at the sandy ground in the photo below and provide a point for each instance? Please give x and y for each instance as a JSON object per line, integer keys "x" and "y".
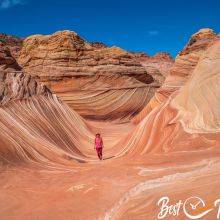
{"x": 109, "y": 189}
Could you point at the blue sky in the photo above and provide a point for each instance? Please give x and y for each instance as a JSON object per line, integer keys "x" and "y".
{"x": 136, "y": 25}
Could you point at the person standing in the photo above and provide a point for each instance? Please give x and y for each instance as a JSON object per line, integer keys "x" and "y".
{"x": 98, "y": 146}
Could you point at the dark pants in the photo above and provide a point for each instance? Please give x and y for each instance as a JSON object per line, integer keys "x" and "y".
{"x": 99, "y": 152}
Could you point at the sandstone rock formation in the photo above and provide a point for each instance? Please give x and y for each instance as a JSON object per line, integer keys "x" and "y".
{"x": 182, "y": 68}
{"x": 14, "y": 84}
{"x": 158, "y": 65}
{"x": 201, "y": 113}
{"x": 48, "y": 148}
{"x": 187, "y": 124}
{"x": 13, "y": 43}
{"x": 29, "y": 116}
{"x": 7, "y": 62}
{"x": 187, "y": 60}
{"x": 97, "y": 81}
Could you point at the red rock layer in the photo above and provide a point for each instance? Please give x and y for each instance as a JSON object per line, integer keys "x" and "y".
{"x": 161, "y": 61}
{"x": 13, "y": 43}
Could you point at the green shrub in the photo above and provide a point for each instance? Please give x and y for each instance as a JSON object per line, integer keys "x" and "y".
{"x": 3, "y": 40}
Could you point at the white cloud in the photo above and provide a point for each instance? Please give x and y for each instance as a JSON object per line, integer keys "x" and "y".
{"x": 4, "y": 4}
{"x": 153, "y": 32}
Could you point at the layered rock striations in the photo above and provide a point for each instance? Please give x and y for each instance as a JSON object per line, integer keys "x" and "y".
{"x": 187, "y": 60}
{"x": 35, "y": 127}
{"x": 198, "y": 101}
{"x": 158, "y": 65}
{"x": 181, "y": 70}
{"x": 174, "y": 149}
{"x": 14, "y": 84}
{"x": 97, "y": 81}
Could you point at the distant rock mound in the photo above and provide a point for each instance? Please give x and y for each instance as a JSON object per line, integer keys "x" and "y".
{"x": 10, "y": 40}
{"x": 98, "y": 45}
{"x": 97, "y": 81}
{"x": 66, "y": 54}
{"x": 158, "y": 65}
{"x": 13, "y": 43}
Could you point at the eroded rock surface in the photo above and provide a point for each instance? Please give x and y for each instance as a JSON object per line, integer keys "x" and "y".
{"x": 158, "y": 65}
{"x": 97, "y": 81}
{"x": 182, "y": 68}
{"x": 13, "y": 43}
{"x": 14, "y": 84}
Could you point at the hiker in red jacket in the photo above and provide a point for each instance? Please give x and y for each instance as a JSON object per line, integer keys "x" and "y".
{"x": 98, "y": 146}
